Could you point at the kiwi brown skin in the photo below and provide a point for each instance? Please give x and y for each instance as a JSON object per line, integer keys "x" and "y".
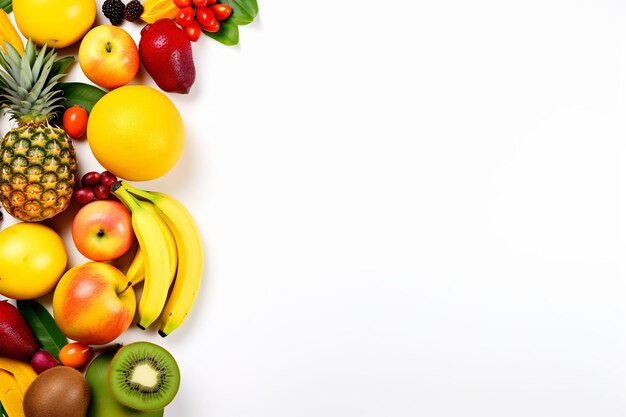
{"x": 161, "y": 376}
{"x": 57, "y": 392}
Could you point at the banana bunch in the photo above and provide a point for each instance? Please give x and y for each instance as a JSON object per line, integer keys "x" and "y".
{"x": 9, "y": 34}
{"x": 170, "y": 257}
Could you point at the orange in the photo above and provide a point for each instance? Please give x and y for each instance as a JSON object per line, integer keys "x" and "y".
{"x": 136, "y": 132}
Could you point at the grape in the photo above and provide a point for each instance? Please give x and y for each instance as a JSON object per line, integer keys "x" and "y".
{"x": 102, "y": 192}
{"x": 83, "y": 195}
{"x": 90, "y": 179}
{"x": 107, "y": 179}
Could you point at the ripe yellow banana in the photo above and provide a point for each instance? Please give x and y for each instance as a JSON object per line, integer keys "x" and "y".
{"x": 152, "y": 241}
{"x": 137, "y": 269}
{"x": 169, "y": 240}
{"x": 190, "y": 257}
{"x": 9, "y": 34}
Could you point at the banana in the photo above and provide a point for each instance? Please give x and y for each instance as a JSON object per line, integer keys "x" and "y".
{"x": 9, "y": 34}
{"x": 190, "y": 257}
{"x": 102, "y": 403}
{"x": 137, "y": 269}
{"x": 169, "y": 239}
{"x": 157, "y": 280}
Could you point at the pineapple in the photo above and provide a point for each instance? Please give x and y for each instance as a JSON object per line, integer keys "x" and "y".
{"x": 37, "y": 160}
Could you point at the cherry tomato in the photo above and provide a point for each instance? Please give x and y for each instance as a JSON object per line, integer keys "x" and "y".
{"x": 75, "y": 354}
{"x": 200, "y": 3}
{"x": 181, "y": 4}
{"x": 221, "y": 11}
{"x": 75, "y": 121}
{"x": 185, "y": 16}
{"x": 207, "y": 20}
{"x": 193, "y": 31}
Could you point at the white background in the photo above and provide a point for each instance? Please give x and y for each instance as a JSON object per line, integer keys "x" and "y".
{"x": 410, "y": 208}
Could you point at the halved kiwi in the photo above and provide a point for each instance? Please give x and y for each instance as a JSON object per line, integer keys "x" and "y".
{"x": 144, "y": 376}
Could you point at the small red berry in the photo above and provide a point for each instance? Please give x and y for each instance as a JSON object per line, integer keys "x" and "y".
{"x": 193, "y": 31}
{"x": 183, "y": 3}
{"x": 221, "y": 11}
{"x": 185, "y": 16}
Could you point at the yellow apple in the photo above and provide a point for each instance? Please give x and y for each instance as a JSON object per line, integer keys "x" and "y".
{"x": 93, "y": 303}
{"x": 108, "y": 56}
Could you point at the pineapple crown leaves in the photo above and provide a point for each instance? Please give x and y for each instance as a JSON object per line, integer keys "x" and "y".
{"x": 28, "y": 81}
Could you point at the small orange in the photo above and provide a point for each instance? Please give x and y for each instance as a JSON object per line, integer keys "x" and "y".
{"x": 75, "y": 354}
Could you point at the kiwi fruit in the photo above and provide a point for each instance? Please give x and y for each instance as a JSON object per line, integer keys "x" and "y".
{"x": 57, "y": 392}
{"x": 143, "y": 376}
{"x": 102, "y": 403}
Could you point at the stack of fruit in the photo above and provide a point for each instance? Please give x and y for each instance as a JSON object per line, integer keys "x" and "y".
{"x": 57, "y": 359}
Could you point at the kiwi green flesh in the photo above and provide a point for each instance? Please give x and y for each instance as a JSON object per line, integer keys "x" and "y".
{"x": 144, "y": 376}
{"x": 102, "y": 403}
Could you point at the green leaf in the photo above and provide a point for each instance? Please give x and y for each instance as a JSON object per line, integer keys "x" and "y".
{"x": 3, "y": 412}
{"x": 60, "y": 66}
{"x": 228, "y": 33}
{"x": 244, "y": 11}
{"x": 46, "y": 331}
{"x": 84, "y": 95}
{"x": 7, "y": 5}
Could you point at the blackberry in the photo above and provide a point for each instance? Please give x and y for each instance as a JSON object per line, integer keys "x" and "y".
{"x": 133, "y": 11}
{"x": 114, "y": 11}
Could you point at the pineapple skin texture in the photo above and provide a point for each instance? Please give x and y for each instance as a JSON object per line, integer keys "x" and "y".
{"x": 37, "y": 172}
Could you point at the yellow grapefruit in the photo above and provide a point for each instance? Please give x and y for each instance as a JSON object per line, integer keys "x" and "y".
{"x": 33, "y": 259}
{"x": 59, "y": 23}
{"x": 136, "y": 132}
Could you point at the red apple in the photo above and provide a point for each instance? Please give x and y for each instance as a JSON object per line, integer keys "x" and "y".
{"x": 102, "y": 230}
{"x": 93, "y": 303}
{"x": 108, "y": 56}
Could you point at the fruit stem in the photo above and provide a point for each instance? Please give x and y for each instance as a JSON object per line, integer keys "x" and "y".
{"x": 129, "y": 285}
{"x": 115, "y": 186}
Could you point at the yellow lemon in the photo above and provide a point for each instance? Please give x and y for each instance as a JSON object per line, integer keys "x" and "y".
{"x": 136, "y": 132}
{"x": 60, "y": 23}
{"x": 33, "y": 259}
